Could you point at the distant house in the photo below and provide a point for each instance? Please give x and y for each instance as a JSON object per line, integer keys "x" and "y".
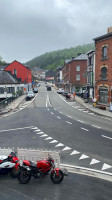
{"x": 103, "y": 68}
{"x": 91, "y": 73}
{"x": 59, "y": 77}
{"x": 74, "y": 74}
{"x": 21, "y": 72}
{"x": 9, "y": 85}
{"x": 50, "y": 76}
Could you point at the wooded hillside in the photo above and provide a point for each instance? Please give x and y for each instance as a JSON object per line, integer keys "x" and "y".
{"x": 54, "y": 59}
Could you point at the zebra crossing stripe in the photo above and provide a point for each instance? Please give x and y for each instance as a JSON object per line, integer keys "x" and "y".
{"x": 34, "y": 128}
{"x": 40, "y": 133}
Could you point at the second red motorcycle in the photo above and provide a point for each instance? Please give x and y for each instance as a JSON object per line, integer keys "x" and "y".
{"x": 40, "y": 170}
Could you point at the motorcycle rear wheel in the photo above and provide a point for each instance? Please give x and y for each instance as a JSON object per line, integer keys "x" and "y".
{"x": 57, "y": 178}
{"x": 23, "y": 176}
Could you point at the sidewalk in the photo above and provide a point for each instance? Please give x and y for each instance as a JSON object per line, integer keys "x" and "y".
{"x": 12, "y": 105}
{"x": 90, "y": 107}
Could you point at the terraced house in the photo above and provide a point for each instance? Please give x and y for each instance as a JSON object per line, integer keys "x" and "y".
{"x": 103, "y": 68}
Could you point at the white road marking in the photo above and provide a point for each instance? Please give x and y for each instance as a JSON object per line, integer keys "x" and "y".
{"x": 34, "y": 128}
{"x": 49, "y": 138}
{"x": 48, "y": 109}
{"x": 74, "y": 152}
{"x": 58, "y": 117}
{"x": 37, "y": 130}
{"x": 83, "y": 157}
{"x": 85, "y": 111}
{"x": 76, "y": 107}
{"x": 14, "y": 129}
{"x": 96, "y": 126}
{"x": 54, "y": 108}
{"x": 91, "y": 113}
{"x": 94, "y": 161}
{"x": 44, "y": 135}
{"x": 53, "y": 141}
{"x": 81, "y": 109}
{"x": 80, "y": 121}
{"x": 69, "y": 116}
{"x": 40, "y": 133}
{"x": 59, "y": 145}
{"x": 60, "y": 112}
{"x": 107, "y": 137}
{"x": 68, "y": 122}
{"x": 66, "y": 148}
{"x": 84, "y": 129}
{"x": 106, "y": 166}
{"x": 52, "y": 113}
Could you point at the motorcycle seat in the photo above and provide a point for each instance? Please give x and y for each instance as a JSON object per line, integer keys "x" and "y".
{"x": 32, "y": 164}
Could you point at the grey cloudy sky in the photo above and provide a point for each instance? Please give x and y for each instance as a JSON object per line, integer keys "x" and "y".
{"x": 29, "y": 28}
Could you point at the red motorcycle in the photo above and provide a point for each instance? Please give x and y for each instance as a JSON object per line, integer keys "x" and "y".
{"x": 40, "y": 170}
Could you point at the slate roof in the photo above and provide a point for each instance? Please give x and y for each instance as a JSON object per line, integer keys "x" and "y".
{"x": 81, "y": 57}
{"x": 108, "y": 35}
{"x": 6, "y": 78}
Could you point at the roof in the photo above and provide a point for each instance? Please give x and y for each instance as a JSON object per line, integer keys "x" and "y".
{"x": 81, "y": 57}
{"x": 89, "y": 52}
{"x": 108, "y": 35}
{"x": 6, "y": 78}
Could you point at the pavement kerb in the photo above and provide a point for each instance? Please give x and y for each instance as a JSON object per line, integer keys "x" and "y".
{"x": 93, "y": 110}
{"x": 88, "y": 172}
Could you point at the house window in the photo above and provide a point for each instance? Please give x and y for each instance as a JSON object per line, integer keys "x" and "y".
{"x": 103, "y": 73}
{"x": 10, "y": 90}
{"x": 1, "y": 90}
{"x": 15, "y": 72}
{"x": 78, "y": 68}
{"x": 104, "y": 52}
{"x": 78, "y": 77}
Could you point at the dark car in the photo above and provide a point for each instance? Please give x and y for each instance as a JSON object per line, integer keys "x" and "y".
{"x": 48, "y": 88}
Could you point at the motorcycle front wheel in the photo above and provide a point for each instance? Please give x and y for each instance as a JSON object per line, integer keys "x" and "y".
{"x": 23, "y": 176}
{"x": 57, "y": 178}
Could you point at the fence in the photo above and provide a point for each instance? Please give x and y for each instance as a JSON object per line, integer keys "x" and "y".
{"x": 32, "y": 154}
{"x": 7, "y": 101}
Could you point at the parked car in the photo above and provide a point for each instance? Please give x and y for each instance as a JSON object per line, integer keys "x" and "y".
{"x": 35, "y": 90}
{"x": 30, "y": 95}
{"x": 60, "y": 91}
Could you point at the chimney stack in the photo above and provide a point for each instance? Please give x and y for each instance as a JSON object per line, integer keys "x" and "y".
{"x": 109, "y": 30}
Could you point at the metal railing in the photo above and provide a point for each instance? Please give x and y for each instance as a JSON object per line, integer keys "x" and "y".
{"x": 7, "y": 101}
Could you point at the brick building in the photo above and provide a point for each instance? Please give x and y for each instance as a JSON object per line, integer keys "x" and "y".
{"x": 103, "y": 68}
{"x": 74, "y": 74}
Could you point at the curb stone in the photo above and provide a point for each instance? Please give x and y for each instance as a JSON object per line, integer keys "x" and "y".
{"x": 88, "y": 172}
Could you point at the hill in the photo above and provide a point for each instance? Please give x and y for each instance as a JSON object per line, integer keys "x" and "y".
{"x": 54, "y": 59}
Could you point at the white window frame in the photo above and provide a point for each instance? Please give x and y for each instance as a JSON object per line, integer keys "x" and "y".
{"x": 78, "y": 77}
{"x": 78, "y": 68}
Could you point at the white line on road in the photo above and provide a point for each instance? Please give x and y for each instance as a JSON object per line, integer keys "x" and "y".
{"x": 84, "y": 129}
{"x": 107, "y": 137}
{"x": 58, "y": 117}
{"x": 96, "y": 126}
{"x": 68, "y": 122}
{"x": 14, "y": 129}
{"x": 80, "y": 121}
{"x": 52, "y": 113}
{"x": 69, "y": 116}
